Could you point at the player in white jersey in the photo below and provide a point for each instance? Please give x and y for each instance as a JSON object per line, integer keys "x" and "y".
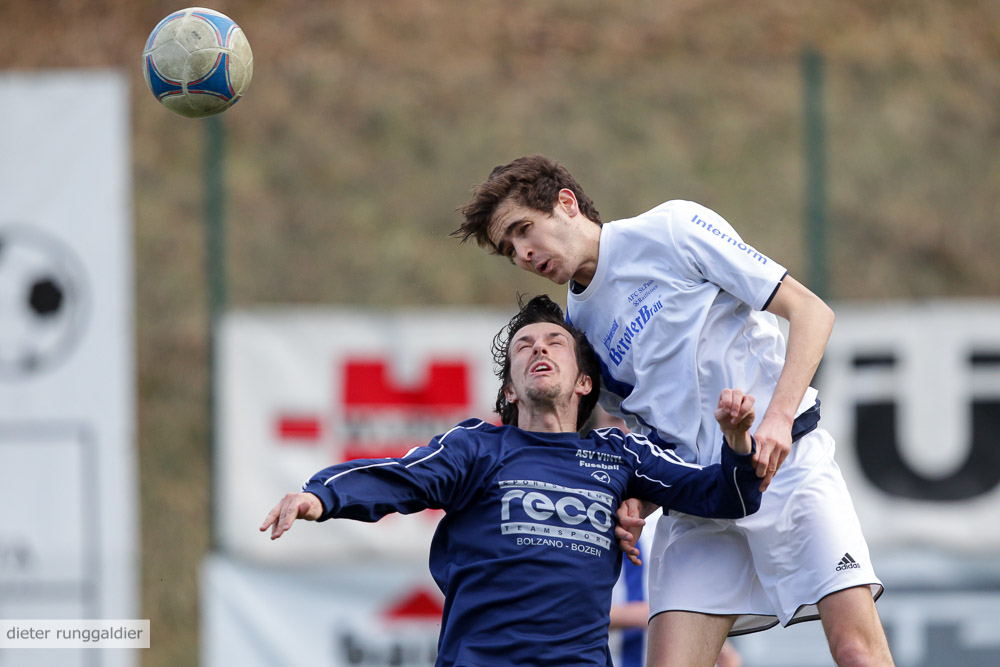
{"x": 677, "y": 304}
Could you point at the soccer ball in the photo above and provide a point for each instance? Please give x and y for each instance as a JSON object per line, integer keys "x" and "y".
{"x": 197, "y": 62}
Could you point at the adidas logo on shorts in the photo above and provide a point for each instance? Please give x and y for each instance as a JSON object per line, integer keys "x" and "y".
{"x": 847, "y": 563}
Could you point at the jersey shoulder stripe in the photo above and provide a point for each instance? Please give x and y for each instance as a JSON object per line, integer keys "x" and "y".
{"x": 467, "y": 425}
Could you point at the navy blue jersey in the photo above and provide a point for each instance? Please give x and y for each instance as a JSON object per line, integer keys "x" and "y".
{"x": 526, "y": 555}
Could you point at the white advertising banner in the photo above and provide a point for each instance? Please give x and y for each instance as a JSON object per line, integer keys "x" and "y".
{"x": 67, "y": 406}
{"x": 258, "y": 616}
{"x": 302, "y": 390}
{"x": 910, "y": 392}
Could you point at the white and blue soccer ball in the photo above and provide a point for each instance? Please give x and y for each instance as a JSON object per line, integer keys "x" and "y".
{"x": 197, "y": 62}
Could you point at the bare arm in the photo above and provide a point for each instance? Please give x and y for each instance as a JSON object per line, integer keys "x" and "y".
{"x": 810, "y": 322}
{"x": 629, "y": 615}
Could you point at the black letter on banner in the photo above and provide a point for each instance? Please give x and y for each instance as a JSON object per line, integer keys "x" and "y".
{"x": 879, "y": 452}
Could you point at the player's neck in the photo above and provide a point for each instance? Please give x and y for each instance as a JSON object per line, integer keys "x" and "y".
{"x": 546, "y": 421}
{"x": 585, "y": 271}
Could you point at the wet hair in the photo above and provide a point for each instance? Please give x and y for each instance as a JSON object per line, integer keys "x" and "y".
{"x": 533, "y": 181}
{"x": 542, "y": 309}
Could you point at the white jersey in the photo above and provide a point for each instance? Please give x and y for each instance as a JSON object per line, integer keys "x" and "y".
{"x": 675, "y": 312}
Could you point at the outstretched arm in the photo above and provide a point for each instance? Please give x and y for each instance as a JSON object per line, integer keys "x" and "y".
{"x": 735, "y": 414}
{"x": 433, "y": 477}
{"x": 293, "y": 506}
{"x": 810, "y": 322}
{"x": 725, "y": 490}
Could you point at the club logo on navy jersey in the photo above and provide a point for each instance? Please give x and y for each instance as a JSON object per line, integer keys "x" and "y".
{"x": 603, "y": 460}
{"x": 601, "y": 476}
{"x": 546, "y": 514}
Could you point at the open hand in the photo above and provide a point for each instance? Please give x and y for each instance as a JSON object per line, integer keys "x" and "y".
{"x": 293, "y": 506}
{"x": 630, "y": 523}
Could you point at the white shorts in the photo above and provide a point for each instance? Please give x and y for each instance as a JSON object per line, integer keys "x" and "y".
{"x": 804, "y": 543}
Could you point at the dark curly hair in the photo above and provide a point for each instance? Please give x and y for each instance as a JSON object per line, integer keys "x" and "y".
{"x": 543, "y": 309}
{"x": 533, "y": 181}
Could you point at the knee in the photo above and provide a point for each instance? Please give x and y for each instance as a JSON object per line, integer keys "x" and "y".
{"x": 853, "y": 629}
{"x": 852, "y": 650}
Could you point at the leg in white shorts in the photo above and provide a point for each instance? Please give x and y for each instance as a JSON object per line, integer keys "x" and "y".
{"x": 804, "y": 543}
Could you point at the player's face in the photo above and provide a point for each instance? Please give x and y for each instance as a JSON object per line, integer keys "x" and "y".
{"x": 543, "y": 366}
{"x": 547, "y": 244}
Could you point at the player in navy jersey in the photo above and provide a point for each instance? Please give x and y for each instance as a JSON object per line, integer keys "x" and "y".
{"x": 677, "y": 306}
{"x": 526, "y": 553}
